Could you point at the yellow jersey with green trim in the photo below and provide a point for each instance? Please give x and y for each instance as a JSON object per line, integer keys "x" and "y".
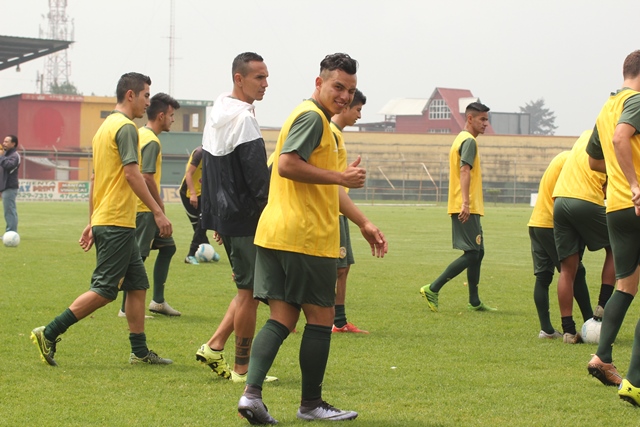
{"x": 618, "y": 190}
{"x": 300, "y": 217}
{"x": 114, "y": 202}
{"x": 197, "y": 175}
{"x": 147, "y": 136}
{"x": 542, "y": 215}
{"x": 476, "y": 201}
{"x": 577, "y": 180}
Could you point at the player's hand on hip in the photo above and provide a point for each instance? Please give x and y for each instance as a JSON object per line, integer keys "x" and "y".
{"x": 354, "y": 176}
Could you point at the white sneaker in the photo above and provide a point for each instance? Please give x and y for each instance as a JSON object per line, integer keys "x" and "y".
{"x": 324, "y": 411}
{"x": 554, "y": 335}
{"x": 123, "y": 314}
{"x": 163, "y": 308}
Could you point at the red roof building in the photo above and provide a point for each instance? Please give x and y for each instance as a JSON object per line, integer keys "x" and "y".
{"x": 443, "y": 112}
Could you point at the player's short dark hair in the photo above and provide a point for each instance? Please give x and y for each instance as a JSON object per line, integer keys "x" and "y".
{"x": 241, "y": 63}
{"x": 13, "y": 139}
{"x": 160, "y": 103}
{"x": 358, "y": 98}
{"x": 339, "y": 61}
{"x": 631, "y": 67}
{"x": 131, "y": 81}
{"x": 475, "y": 108}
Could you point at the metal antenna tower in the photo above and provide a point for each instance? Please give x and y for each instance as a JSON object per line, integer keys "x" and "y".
{"x": 57, "y": 68}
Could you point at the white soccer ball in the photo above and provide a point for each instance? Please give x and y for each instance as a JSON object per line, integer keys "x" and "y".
{"x": 11, "y": 239}
{"x": 591, "y": 331}
{"x": 206, "y": 253}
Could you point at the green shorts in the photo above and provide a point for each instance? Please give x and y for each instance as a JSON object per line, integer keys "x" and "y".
{"x": 119, "y": 265}
{"x": 543, "y": 250}
{"x": 346, "y": 252}
{"x": 295, "y": 278}
{"x": 242, "y": 256}
{"x": 467, "y": 236}
{"x": 624, "y": 234}
{"x": 578, "y": 222}
{"x": 148, "y": 234}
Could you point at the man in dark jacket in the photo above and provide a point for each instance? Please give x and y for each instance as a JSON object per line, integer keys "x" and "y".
{"x": 9, "y": 164}
{"x": 235, "y": 186}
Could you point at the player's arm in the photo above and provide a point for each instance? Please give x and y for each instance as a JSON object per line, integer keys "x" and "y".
{"x": 594, "y": 150}
{"x": 255, "y": 170}
{"x": 139, "y": 186}
{"x": 465, "y": 183}
{"x": 622, "y": 147}
{"x": 304, "y": 137}
{"x": 188, "y": 179}
{"x": 86, "y": 238}
{"x": 127, "y": 143}
{"x": 149, "y": 155}
{"x": 370, "y": 232}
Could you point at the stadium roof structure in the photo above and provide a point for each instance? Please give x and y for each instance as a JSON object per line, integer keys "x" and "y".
{"x": 18, "y": 50}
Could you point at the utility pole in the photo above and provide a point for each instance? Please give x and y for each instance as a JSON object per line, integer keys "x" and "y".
{"x": 57, "y": 68}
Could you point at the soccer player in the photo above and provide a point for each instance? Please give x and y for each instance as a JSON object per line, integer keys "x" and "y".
{"x": 9, "y": 165}
{"x": 465, "y": 206}
{"x": 116, "y": 182}
{"x": 190, "y": 191}
{"x": 298, "y": 239}
{"x": 235, "y": 186}
{"x": 614, "y": 148}
{"x": 347, "y": 117}
{"x": 160, "y": 116}
{"x": 579, "y": 219}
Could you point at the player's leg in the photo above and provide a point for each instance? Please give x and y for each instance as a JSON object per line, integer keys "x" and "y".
{"x": 212, "y": 352}
{"x": 545, "y": 261}
{"x": 608, "y": 281}
{"x": 581, "y": 293}
{"x": 10, "y": 211}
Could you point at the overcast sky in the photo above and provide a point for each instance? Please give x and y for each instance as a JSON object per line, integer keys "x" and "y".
{"x": 507, "y": 52}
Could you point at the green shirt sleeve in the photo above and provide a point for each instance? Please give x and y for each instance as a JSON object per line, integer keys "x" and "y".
{"x": 631, "y": 112}
{"x": 594, "y": 147}
{"x": 468, "y": 151}
{"x": 149, "y": 154}
{"x": 127, "y": 142}
{"x": 305, "y": 135}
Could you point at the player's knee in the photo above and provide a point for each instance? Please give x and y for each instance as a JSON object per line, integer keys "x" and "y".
{"x": 544, "y": 278}
{"x": 167, "y": 251}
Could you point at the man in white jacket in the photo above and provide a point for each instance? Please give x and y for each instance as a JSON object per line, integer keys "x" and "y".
{"x": 235, "y": 186}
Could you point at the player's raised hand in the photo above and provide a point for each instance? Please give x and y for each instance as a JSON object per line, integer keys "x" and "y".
{"x": 375, "y": 237}
{"x": 86, "y": 238}
{"x": 354, "y": 176}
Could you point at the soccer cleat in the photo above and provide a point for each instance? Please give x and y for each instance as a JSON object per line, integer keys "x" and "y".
{"x": 191, "y": 260}
{"x": 605, "y": 372}
{"x": 237, "y": 378}
{"x": 598, "y": 313}
{"x": 215, "y": 360}
{"x": 349, "y": 327}
{"x": 151, "y": 358}
{"x": 255, "y": 411}
{"x": 124, "y": 315}
{"x": 47, "y": 348}
{"x": 568, "y": 338}
{"x": 480, "y": 307}
{"x": 163, "y": 308}
{"x": 629, "y": 393}
{"x": 431, "y": 297}
{"x": 324, "y": 411}
{"x": 554, "y": 335}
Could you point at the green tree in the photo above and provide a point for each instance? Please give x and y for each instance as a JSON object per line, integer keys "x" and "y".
{"x": 66, "y": 88}
{"x": 542, "y": 118}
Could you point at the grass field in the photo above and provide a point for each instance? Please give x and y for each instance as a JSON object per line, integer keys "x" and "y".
{"x": 416, "y": 368}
